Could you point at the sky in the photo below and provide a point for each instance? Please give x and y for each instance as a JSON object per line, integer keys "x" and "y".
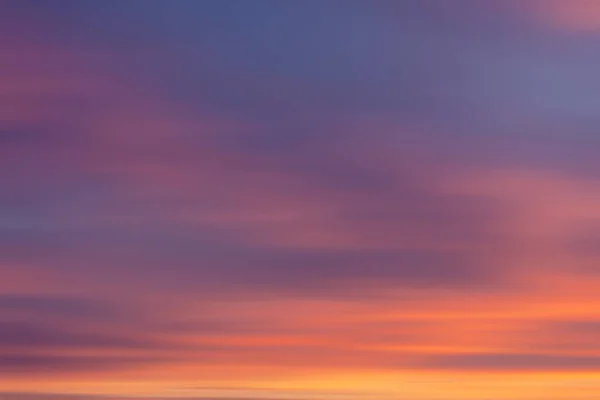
{"x": 300, "y": 199}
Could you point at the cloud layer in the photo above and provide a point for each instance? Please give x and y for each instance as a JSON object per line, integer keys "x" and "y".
{"x": 253, "y": 195}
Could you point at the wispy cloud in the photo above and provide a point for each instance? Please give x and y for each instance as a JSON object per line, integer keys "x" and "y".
{"x": 328, "y": 199}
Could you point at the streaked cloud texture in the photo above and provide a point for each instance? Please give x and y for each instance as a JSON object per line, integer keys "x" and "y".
{"x": 300, "y": 199}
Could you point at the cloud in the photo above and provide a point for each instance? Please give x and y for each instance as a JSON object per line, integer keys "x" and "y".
{"x": 15, "y": 335}
{"x": 510, "y": 362}
{"x": 566, "y": 336}
{"x": 301, "y": 395}
{"x": 56, "y": 305}
{"x": 45, "y": 365}
{"x": 570, "y": 16}
{"x": 332, "y": 269}
{"x": 192, "y": 192}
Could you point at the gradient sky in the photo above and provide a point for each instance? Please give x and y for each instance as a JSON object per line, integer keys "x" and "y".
{"x": 300, "y": 199}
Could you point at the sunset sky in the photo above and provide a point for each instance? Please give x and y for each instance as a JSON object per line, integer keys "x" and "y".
{"x": 300, "y": 199}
